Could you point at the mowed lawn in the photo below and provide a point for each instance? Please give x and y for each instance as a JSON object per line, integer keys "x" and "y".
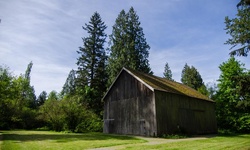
{"x": 233, "y": 142}
{"x": 39, "y": 140}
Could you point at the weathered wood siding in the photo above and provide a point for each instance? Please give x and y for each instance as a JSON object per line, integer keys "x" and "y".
{"x": 129, "y": 108}
{"x": 178, "y": 113}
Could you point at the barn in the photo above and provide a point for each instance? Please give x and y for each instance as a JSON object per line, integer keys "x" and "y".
{"x": 142, "y": 104}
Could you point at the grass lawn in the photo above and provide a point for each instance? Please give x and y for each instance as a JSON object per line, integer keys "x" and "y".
{"x": 39, "y": 140}
{"x": 233, "y": 142}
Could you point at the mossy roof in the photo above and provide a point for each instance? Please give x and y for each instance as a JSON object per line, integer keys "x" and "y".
{"x": 163, "y": 84}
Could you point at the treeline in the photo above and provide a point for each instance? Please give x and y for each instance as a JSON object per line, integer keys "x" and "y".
{"x": 79, "y": 107}
{"x": 19, "y": 108}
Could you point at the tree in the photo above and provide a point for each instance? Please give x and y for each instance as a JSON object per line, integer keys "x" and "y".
{"x": 191, "y": 77}
{"x": 7, "y": 96}
{"x": 16, "y": 101}
{"x": 69, "y": 87}
{"x": 167, "y": 72}
{"x": 53, "y": 95}
{"x": 92, "y": 63}
{"x": 28, "y": 91}
{"x": 212, "y": 90}
{"x": 41, "y": 98}
{"x": 52, "y": 113}
{"x": 239, "y": 29}
{"x": 128, "y": 46}
{"x": 231, "y": 113}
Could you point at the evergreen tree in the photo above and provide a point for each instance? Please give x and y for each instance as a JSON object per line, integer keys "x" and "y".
{"x": 191, "y": 77}
{"x": 128, "y": 46}
{"x": 91, "y": 76}
{"x": 69, "y": 87}
{"x": 239, "y": 29}
{"x": 41, "y": 98}
{"x": 167, "y": 72}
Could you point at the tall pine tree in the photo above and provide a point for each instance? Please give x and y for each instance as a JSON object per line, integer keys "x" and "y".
{"x": 128, "y": 46}
{"x": 91, "y": 76}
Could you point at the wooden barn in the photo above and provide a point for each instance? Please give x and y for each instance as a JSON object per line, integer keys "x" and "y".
{"x": 147, "y": 105}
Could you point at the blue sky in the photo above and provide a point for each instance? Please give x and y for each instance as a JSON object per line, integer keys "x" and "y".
{"x": 48, "y": 33}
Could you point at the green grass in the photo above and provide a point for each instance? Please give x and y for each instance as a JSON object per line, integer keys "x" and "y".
{"x": 229, "y": 142}
{"x": 39, "y": 140}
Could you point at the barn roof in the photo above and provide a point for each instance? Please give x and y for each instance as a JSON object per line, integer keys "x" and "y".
{"x": 163, "y": 84}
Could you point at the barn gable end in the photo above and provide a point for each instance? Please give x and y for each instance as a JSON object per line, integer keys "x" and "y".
{"x": 129, "y": 107}
{"x": 142, "y": 104}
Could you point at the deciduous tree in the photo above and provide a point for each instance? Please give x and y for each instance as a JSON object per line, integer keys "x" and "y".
{"x": 232, "y": 100}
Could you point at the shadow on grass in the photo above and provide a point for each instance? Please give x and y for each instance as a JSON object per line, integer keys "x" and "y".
{"x": 63, "y": 137}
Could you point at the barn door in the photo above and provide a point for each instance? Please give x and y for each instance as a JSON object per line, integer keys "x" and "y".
{"x": 142, "y": 127}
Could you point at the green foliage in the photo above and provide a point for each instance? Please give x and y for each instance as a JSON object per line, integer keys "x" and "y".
{"x": 92, "y": 124}
{"x": 52, "y": 113}
{"x": 203, "y": 90}
{"x": 17, "y": 100}
{"x": 92, "y": 64}
{"x": 191, "y": 77}
{"x": 69, "y": 87}
{"x": 128, "y": 46}
{"x": 174, "y": 136}
{"x": 239, "y": 30}
{"x": 41, "y": 98}
{"x": 28, "y": 91}
{"x": 212, "y": 90}
{"x": 69, "y": 114}
{"x": 7, "y": 94}
{"x": 53, "y": 95}
{"x": 232, "y": 100}
{"x": 167, "y": 72}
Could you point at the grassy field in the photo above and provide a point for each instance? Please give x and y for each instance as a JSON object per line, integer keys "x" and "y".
{"x": 236, "y": 142}
{"x": 39, "y": 140}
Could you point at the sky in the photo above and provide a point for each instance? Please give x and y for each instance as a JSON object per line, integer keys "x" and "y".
{"x": 49, "y": 32}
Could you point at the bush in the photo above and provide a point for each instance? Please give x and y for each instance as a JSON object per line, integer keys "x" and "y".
{"x": 69, "y": 114}
{"x": 91, "y": 123}
{"x": 244, "y": 123}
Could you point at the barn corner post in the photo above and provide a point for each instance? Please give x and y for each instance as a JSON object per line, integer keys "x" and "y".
{"x": 155, "y": 132}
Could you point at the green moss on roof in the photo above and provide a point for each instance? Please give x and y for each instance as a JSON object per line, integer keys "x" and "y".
{"x": 163, "y": 84}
